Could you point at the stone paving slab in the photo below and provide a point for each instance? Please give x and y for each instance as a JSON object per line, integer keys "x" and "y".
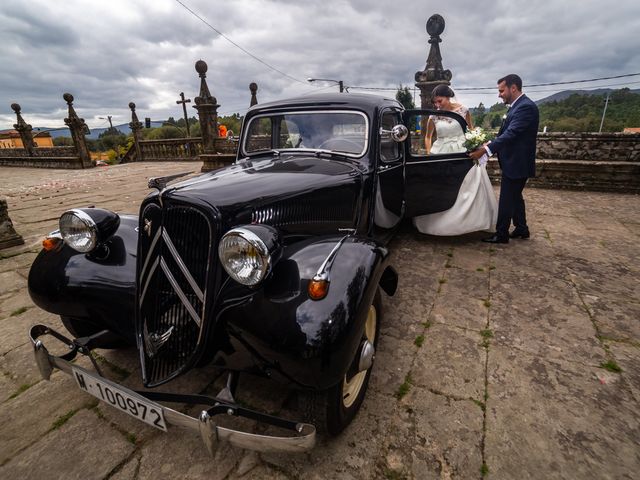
{"x": 98, "y": 450}
{"x": 564, "y": 418}
{"x": 499, "y": 351}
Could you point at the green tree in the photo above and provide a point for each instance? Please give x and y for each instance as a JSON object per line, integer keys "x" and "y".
{"x": 164, "y": 132}
{"x": 111, "y": 139}
{"x": 478, "y": 114}
{"x": 405, "y": 97}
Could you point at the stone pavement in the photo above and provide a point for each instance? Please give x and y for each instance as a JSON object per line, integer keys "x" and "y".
{"x": 513, "y": 362}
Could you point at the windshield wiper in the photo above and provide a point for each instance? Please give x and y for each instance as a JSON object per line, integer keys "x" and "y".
{"x": 331, "y": 153}
{"x": 260, "y": 154}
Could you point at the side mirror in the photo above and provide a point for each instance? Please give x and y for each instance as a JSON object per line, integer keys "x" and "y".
{"x": 398, "y": 133}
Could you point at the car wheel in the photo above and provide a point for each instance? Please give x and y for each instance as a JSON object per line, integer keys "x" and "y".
{"x": 333, "y": 409}
{"x": 81, "y": 327}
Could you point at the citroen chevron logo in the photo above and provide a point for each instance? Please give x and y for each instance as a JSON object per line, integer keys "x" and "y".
{"x": 155, "y": 341}
{"x": 147, "y": 227}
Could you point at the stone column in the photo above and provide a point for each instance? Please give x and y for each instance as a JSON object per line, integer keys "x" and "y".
{"x": 207, "y": 108}
{"x": 136, "y": 129}
{"x": 78, "y": 130}
{"x": 253, "y": 88}
{"x": 8, "y": 236}
{"x": 24, "y": 129}
{"x": 433, "y": 74}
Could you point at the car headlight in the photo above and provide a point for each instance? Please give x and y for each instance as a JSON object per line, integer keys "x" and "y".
{"x": 84, "y": 229}
{"x": 247, "y": 253}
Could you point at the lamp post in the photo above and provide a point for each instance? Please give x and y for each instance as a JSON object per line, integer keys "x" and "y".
{"x": 606, "y": 102}
{"x": 340, "y": 83}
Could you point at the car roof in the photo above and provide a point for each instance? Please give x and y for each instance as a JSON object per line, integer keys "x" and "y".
{"x": 334, "y": 100}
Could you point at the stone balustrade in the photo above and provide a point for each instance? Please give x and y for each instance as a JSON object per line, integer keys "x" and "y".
{"x": 41, "y": 157}
{"x": 171, "y": 149}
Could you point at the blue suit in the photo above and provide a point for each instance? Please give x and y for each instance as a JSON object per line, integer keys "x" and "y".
{"x": 515, "y": 146}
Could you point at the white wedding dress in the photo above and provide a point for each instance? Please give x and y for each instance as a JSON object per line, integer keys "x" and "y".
{"x": 475, "y": 208}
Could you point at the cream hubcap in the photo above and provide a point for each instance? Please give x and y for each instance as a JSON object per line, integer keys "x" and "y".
{"x": 351, "y": 388}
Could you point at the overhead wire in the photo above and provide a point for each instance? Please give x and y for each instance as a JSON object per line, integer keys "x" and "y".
{"x": 238, "y": 46}
{"x": 467, "y": 89}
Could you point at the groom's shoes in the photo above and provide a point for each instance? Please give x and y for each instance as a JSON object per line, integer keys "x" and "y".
{"x": 517, "y": 234}
{"x": 496, "y": 239}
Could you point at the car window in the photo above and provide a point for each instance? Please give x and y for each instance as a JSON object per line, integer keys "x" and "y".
{"x": 340, "y": 131}
{"x": 259, "y": 135}
{"x": 389, "y": 149}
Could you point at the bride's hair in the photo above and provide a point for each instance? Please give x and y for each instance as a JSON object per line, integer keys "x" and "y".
{"x": 442, "y": 91}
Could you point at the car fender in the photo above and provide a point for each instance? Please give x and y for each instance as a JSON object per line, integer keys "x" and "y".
{"x": 99, "y": 285}
{"x": 311, "y": 342}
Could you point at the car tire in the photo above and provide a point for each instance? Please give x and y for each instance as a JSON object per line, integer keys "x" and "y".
{"x": 81, "y": 327}
{"x": 332, "y": 410}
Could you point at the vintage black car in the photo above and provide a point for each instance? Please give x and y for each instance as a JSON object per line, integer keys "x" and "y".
{"x": 271, "y": 266}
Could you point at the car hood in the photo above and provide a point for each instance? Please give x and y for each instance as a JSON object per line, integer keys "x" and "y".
{"x": 285, "y": 191}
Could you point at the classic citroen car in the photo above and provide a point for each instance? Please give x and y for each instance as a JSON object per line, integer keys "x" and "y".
{"x": 271, "y": 266}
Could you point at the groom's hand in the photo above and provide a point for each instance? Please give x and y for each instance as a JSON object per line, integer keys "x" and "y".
{"x": 477, "y": 153}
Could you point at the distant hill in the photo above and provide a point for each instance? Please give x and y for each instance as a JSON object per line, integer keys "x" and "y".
{"x": 556, "y": 97}
{"x": 95, "y": 132}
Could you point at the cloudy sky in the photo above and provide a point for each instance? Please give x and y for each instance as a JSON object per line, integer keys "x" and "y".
{"x": 108, "y": 53}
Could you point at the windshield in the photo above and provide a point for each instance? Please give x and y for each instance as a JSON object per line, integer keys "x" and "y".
{"x": 338, "y": 131}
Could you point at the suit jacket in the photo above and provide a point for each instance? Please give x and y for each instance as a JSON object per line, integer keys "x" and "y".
{"x": 515, "y": 144}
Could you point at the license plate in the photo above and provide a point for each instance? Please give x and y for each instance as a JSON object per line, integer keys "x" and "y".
{"x": 120, "y": 398}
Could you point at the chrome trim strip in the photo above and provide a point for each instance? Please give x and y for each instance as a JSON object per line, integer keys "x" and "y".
{"x": 387, "y": 168}
{"x": 181, "y": 295}
{"x": 181, "y": 265}
{"x": 325, "y": 269}
{"x": 205, "y": 426}
{"x": 149, "y": 277}
{"x": 409, "y": 163}
{"x": 151, "y": 248}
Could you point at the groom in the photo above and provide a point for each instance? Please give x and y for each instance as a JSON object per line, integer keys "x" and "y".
{"x": 516, "y": 149}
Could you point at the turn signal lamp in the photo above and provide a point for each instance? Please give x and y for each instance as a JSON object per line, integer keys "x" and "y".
{"x": 52, "y": 244}
{"x": 318, "y": 288}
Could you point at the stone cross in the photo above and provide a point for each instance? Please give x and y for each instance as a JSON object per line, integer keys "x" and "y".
{"x": 78, "y": 130}
{"x": 184, "y": 102}
{"x": 433, "y": 74}
{"x": 136, "y": 128}
{"x": 207, "y": 108}
{"x": 24, "y": 129}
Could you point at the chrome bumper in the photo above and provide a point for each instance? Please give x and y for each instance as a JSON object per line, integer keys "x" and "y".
{"x": 303, "y": 439}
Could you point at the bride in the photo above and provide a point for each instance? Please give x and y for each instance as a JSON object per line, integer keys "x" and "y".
{"x": 475, "y": 207}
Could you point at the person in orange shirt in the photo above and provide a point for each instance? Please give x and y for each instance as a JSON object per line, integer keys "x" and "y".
{"x": 222, "y": 131}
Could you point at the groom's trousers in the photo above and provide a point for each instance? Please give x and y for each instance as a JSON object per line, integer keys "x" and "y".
{"x": 511, "y": 206}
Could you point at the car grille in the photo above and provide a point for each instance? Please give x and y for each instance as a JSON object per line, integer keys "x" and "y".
{"x": 175, "y": 244}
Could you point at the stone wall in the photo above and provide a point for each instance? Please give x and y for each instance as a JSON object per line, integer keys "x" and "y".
{"x": 53, "y": 157}
{"x": 610, "y": 147}
{"x": 585, "y": 161}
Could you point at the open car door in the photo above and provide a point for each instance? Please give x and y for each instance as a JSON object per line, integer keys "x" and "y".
{"x": 433, "y": 179}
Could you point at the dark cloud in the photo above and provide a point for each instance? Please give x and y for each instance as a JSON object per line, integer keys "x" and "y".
{"x": 110, "y": 53}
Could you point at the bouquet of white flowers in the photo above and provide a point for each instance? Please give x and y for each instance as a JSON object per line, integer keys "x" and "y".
{"x": 474, "y": 138}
